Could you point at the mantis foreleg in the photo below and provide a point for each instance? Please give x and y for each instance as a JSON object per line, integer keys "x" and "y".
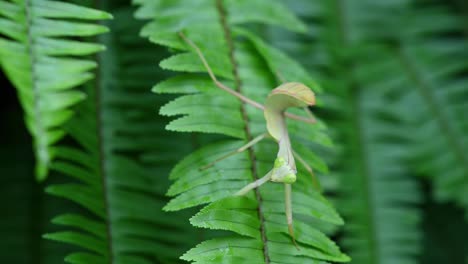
{"x": 255, "y": 184}
{"x": 239, "y": 150}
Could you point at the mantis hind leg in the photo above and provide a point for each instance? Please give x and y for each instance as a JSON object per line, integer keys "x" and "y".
{"x": 232, "y": 91}
{"x": 213, "y": 76}
{"x": 289, "y": 213}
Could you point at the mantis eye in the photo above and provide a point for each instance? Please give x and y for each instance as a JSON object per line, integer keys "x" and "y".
{"x": 282, "y": 172}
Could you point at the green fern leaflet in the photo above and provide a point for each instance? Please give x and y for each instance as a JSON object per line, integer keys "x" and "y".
{"x": 40, "y": 57}
{"x": 259, "y": 230}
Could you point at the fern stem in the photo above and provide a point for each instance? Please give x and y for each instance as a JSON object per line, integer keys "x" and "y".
{"x": 38, "y": 130}
{"x": 367, "y": 178}
{"x": 425, "y": 90}
{"x": 238, "y": 87}
{"x": 99, "y": 87}
{"x": 354, "y": 94}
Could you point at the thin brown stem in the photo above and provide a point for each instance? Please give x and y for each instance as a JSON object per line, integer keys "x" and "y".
{"x": 228, "y": 37}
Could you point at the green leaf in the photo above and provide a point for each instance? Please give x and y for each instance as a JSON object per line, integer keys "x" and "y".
{"x": 107, "y": 167}
{"x": 29, "y": 42}
{"x": 248, "y": 65}
{"x": 263, "y": 11}
{"x": 191, "y": 63}
{"x": 377, "y": 195}
{"x": 85, "y": 241}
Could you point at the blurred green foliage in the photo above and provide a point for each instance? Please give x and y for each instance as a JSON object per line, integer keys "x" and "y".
{"x": 395, "y": 100}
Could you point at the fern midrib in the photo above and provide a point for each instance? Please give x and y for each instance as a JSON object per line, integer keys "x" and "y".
{"x": 100, "y": 84}
{"x": 425, "y": 90}
{"x": 238, "y": 86}
{"x": 358, "y": 124}
{"x": 39, "y": 133}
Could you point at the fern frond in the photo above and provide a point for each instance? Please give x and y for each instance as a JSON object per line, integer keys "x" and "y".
{"x": 379, "y": 196}
{"x": 376, "y": 193}
{"x": 439, "y": 124}
{"x": 26, "y": 208}
{"x": 434, "y": 68}
{"x": 36, "y": 49}
{"x": 424, "y": 68}
{"x": 259, "y": 230}
{"x": 115, "y": 166}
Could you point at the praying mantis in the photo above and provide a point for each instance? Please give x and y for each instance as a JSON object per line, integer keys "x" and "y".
{"x": 290, "y": 94}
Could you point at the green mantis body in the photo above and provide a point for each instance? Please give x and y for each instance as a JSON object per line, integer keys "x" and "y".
{"x": 284, "y": 169}
{"x": 287, "y": 95}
